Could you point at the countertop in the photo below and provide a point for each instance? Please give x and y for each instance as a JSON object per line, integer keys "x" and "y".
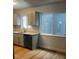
{"x": 29, "y": 33}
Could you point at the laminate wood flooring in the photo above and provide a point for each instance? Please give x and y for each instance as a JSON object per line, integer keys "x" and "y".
{"x": 23, "y": 53}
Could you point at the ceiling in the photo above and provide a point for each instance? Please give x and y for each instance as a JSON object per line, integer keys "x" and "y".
{"x": 28, "y": 3}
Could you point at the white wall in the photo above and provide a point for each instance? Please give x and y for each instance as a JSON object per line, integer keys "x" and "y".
{"x": 54, "y": 7}
{"x": 53, "y": 43}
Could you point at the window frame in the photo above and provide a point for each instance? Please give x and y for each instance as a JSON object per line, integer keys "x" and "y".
{"x": 58, "y": 35}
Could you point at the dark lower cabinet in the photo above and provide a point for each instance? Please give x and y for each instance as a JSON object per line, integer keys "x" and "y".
{"x": 30, "y": 41}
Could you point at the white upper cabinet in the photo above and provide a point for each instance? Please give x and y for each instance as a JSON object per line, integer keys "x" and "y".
{"x": 16, "y": 19}
{"x": 30, "y": 18}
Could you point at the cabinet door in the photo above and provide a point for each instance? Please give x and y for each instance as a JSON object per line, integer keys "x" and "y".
{"x": 31, "y": 18}
{"x": 16, "y": 19}
{"x": 15, "y": 39}
{"x": 21, "y": 40}
{"x": 34, "y": 41}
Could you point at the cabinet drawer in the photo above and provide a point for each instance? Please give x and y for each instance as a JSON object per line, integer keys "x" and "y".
{"x": 21, "y": 42}
{"x": 15, "y": 38}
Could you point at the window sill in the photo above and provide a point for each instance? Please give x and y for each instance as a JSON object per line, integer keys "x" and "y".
{"x": 52, "y": 35}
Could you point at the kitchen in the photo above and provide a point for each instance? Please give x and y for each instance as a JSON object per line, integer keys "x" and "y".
{"x": 39, "y": 28}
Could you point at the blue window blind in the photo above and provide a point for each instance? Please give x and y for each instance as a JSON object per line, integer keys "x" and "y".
{"x": 53, "y": 23}
{"x": 46, "y": 21}
{"x": 59, "y": 24}
{"x": 18, "y": 20}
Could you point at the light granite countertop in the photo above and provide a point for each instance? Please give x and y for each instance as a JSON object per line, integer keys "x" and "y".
{"x": 30, "y": 33}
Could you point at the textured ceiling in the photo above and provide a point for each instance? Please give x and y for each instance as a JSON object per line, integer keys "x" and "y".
{"x": 28, "y": 3}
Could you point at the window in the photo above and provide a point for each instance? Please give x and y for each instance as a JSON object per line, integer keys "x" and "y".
{"x": 46, "y": 23}
{"x": 18, "y": 21}
{"x": 53, "y": 24}
{"x": 24, "y": 21}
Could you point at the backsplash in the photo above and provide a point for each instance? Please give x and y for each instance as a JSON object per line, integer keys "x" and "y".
{"x": 16, "y": 28}
{"x": 32, "y": 29}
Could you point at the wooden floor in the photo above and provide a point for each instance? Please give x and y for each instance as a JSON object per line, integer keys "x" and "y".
{"x": 23, "y": 53}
